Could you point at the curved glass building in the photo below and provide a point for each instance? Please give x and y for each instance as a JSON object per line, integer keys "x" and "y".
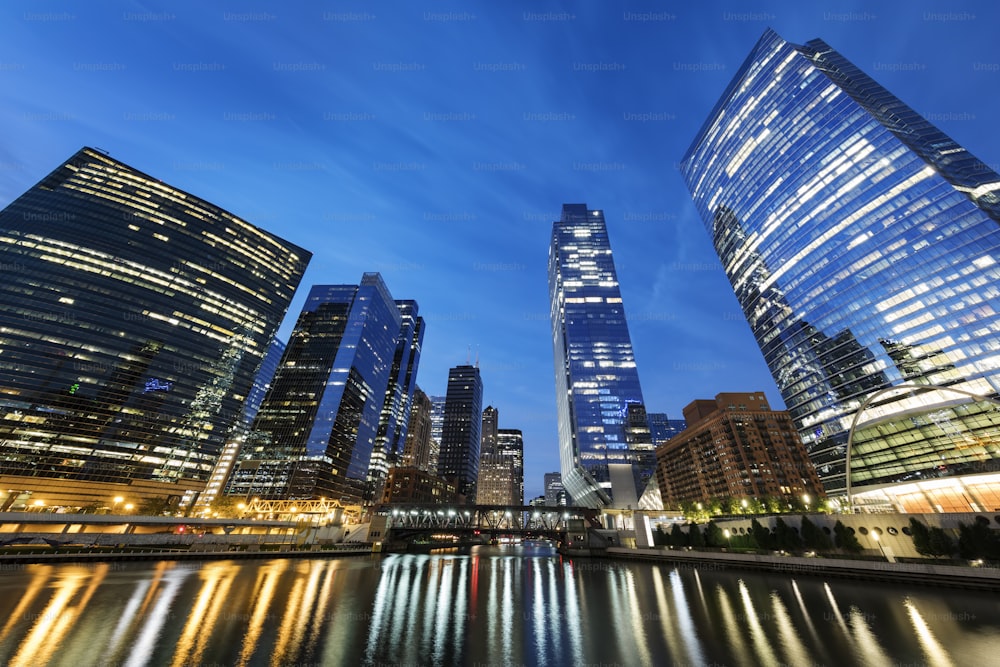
{"x": 862, "y": 244}
{"x": 134, "y": 319}
{"x": 597, "y": 384}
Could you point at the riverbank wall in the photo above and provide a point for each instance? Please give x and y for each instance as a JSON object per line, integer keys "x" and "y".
{"x": 954, "y": 576}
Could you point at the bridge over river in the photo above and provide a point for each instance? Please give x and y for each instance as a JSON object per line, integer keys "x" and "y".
{"x": 409, "y": 523}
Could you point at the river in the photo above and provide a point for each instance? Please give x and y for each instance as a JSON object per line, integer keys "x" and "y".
{"x": 507, "y": 605}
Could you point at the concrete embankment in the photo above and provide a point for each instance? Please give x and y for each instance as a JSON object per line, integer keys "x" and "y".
{"x": 955, "y": 576}
{"x": 154, "y": 554}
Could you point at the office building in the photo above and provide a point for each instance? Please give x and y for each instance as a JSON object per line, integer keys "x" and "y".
{"x": 862, "y": 244}
{"x": 596, "y": 376}
{"x": 395, "y": 417}
{"x": 316, "y": 429}
{"x": 501, "y": 463}
{"x": 510, "y": 454}
{"x": 461, "y": 431}
{"x": 404, "y": 484}
{"x": 736, "y": 447}
{"x": 662, "y": 428}
{"x": 555, "y": 492}
{"x": 135, "y": 317}
{"x": 437, "y": 428}
{"x": 417, "y": 451}
{"x": 262, "y": 381}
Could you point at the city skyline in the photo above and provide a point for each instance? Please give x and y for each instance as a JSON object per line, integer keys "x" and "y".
{"x": 439, "y": 156}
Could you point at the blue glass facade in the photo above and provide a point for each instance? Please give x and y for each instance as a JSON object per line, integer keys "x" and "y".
{"x": 315, "y": 432}
{"x": 862, "y": 244}
{"x": 596, "y": 376}
{"x": 134, "y": 317}
{"x": 461, "y": 430}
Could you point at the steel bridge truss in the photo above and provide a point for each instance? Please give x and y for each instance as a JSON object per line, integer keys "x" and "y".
{"x": 487, "y": 518}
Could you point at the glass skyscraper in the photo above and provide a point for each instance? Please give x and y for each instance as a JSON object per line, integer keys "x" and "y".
{"x": 461, "y": 430}
{"x": 596, "y": 376}
{"x": 394, "y": 420}
{"x": 134, "y": 318}
{"x": 315, "y": 431}
{"x": 862, "y": 243}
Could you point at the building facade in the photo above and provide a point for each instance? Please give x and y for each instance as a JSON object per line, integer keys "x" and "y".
{"x": 394, "y": 420}
{"x": 461, "y": 431}
{"x": 316, "y": 429}
{"x": 736, "y": 447}
{"x": 135, "y": 317}
{"x": 862, "y": 244}
{"x": 555, "y": 492}
{"x": 510, "y": 454}
{"x": 417, "y": 451}
{"x": 596, "y": 376}
{"x": 662, "y": 428}
{"x": 501, "y": 463}
{"x": 412, "y": 485}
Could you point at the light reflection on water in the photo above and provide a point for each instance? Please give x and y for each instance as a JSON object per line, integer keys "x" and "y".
{"x": 493, "y": 606}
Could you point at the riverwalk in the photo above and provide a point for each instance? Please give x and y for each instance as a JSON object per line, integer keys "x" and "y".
{"x": 953, "y": 576}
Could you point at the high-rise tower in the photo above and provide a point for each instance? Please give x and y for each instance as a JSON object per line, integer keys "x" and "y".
{"x": 315, "y": 432}
{"x": 133, "y": 318}
{"x": 596, "y": 376}
{"x": 461, "y": 430}
{"x": 862, "y": 244}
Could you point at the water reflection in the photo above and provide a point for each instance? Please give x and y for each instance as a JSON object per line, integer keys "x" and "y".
{"x": 499, "y": 605}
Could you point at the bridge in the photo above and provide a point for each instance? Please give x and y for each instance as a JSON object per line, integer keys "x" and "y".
{"x": 471, "y": 523}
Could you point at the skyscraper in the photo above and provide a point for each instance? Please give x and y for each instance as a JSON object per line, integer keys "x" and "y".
{"x": 395, "y": 417}
{"x": 862, "y": 244}
{"x": 262, "y": 380}
{"x": 461, "y": 430}
{"x": 661, "y": 428}
{"x": 315, "y": 432}
{"x": 510, "y": 462}
{"x": 134, "y": 318}
{"x": 417, "y": 452}
{"x": 596, "y": 376}
{"x": 437, "y": 428}
{"x": 501, "y": 463}
{"x": 554, "y": 489}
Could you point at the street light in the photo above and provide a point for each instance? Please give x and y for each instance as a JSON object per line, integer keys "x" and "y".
{"x": 117, "y": 502}
{"x": 805, "y": 500}
{"x": 726, "y": 534}
{"x": 879, "y": 543}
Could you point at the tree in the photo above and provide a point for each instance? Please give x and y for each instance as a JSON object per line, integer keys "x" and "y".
{"x": 941, "y": 543}
{"x": 153, "y": 506}
{"x": 714, "y": 536}
{"x": 225, "y": 506}
{"x": 660, "y": 537}
{"x": 678, "y": 538}
{"x": 931, "y": 541}
{"x": 695, "y": 537}
{"x": 785, "y": 536}
{"x": 921, "y": 537}
{"x": 813, "y": 537}
{"x": 761, "y": 535}
{"x": 978, "y": 541}
{"x": 845, "y": 538}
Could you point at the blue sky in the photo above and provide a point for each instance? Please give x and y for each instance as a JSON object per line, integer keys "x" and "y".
{"x": 435, "y": 142}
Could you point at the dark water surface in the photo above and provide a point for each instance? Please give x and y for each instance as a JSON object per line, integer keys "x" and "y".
{"x": 492, "y": 606}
